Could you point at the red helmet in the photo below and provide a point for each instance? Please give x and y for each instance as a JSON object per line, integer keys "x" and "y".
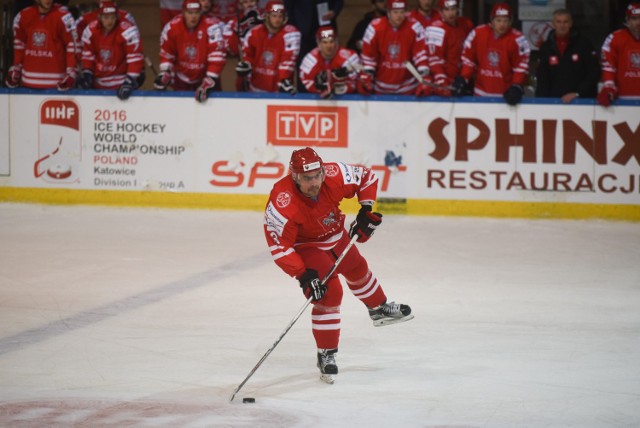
{"x": 396, "y": 4}
{"x": 274, "y": 6}
{"x": 326, "y": 32}
{"x": 191, "y": 5}
{"x": 107, "y": 7}
{"x": 447, "y": 3}
{"x": 501, "y": 9}
{"x": 305, "y": 160}
{"x": 633, "y": 10}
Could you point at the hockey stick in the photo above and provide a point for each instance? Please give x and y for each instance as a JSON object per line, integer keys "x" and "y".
{"x": 412, "y": 69}
{"x": 147, "y": 60}
{"x": 295, "y": 318}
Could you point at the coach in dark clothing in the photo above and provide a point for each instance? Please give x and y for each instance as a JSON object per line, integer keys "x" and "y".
{"x": 569, "y": 66}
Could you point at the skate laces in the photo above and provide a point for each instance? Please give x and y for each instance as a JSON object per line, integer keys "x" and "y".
{"x": 328, "y": 359}
{"x": 391, "y": 308}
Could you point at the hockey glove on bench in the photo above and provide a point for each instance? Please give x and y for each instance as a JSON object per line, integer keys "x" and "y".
{"x": 365, "y": 224}
{"x": 311, "y": 285}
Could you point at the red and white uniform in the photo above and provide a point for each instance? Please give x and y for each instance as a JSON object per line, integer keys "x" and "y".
{"x": 192, "y": 54}
{"x": 621, "y": 63}
{"x": 498, "y": 62}
{"x": 272, "y": 56}
{"x": 444, "y": 48}
{"x": 305, "y": 233}
{"x": 224, "y": 10}
{"x": 231, "y": 33}
{"x": 113, "y": 55}
{"x": 45, "y": 45}
{"x": 89, "y": 17}
{"x": 314, "y": 63}
{"x": 385, "y": 49}
{"x": 168, "y": 10}
{"x": 425, "y": 20}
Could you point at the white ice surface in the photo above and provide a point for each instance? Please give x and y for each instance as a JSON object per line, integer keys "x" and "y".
{"x": 145, "y": 317}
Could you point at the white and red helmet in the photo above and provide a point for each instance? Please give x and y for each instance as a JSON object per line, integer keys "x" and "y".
{"x": 107, "y": 7}
{"x": 396, "y": 4}
{"x": 275, "y": 6}
{"x": 633, "y": 9}
{"x": 191, "y": 5}
{"x": 501, "y": 10}
{"x": 447, "y": 3}
{"x": 305, "y": 160}
{"x": 326, "y": 32}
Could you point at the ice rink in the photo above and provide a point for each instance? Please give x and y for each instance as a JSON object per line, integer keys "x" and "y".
{"x": 151, "y": 318}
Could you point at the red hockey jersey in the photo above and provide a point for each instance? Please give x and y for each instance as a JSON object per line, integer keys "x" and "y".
{"x": 313, "y": 63}
{"x": 45, "y": 45}
{"x": 385, "y": 50}
{"x": 498, "y": 62}
{"x": 193, "y": 54}
{"x": 293, "y": 221}
{"x": 621, "y": 63}
{"x": 444, "y": 47}
{"x": 272, "y": 56}
{"x": 113, "y": 55}
{"x": 424, "y": 20}
{"x": 89, "y": 17}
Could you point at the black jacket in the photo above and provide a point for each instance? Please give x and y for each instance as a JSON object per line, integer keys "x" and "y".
{"x": 578, "y": 70}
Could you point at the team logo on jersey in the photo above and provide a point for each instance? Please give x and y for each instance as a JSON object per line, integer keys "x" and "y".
{"x": 39, "y": 39}
{"x": 191, "y": 52}
{"x": 393, "y": 50}
{"x": 267, "y": 57}
{"x": 106, "y": 55}
{"x": 330, "y": 220}
{"x": 331, "y": 170}
{"x": 283, "y": 199}
{"x": 494, "y": 59}
{"x": 634, "y": 59}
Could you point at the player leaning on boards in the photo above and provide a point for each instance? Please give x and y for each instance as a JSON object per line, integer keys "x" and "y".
{"x": 305, "y": 231}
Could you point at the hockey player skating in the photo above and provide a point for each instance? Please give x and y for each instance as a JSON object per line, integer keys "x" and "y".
{"x": 305, "y": 230}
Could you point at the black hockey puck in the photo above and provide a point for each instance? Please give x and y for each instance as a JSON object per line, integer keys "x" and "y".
{"x": 248, "y": 400}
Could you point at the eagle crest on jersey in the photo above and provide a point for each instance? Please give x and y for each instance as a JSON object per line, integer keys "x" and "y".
{"x": 283, "y": 199}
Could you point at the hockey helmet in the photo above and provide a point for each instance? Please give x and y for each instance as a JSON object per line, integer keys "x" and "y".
{"x": 396, "y": 4}
{"x": 501, "y": 9}
{"x": 447, "y": 3}
{"x": 191, "y": 5}
{"x": 107, "y": 7}
{"x": 633, "y": 9}
{"x": 326, "y": 32}
{"x": 305, "y": 160}
{"x": 275, "y": 6}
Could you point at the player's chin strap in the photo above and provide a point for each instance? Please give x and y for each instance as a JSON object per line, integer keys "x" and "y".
{"x": 295, "y": 318}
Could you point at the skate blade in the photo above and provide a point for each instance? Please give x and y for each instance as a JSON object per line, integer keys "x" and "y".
{"x": 388, "y": 321}
{"x": 327, "y": 378}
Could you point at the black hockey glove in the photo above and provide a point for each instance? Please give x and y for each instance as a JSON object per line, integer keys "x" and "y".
{"x": 86, "y": 80}
{"x": 459, "y": 86}
{"x": 513, "y": 95}
{"x": 127, "y": 87}
{"x": 286, "y": 86}
{"x": 320, "y": 82}
{"x": 243, "y": 68}
{"x": 311, "y": 285}
{"x": 365, "y": 224}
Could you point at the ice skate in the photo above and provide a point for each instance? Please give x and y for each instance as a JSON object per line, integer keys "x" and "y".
{"x": 327, "y": 364}
{"x": 390, "y": 313}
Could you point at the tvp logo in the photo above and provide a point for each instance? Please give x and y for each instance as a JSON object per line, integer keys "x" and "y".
{"x": 308, "y": 126}
{"x": 59, "y": 142}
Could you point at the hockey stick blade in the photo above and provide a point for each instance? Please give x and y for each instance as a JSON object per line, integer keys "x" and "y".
{"x": 295, "y": 318}
{"x": 414, "y": 72}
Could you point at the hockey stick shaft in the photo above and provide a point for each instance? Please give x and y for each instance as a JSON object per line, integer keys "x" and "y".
{"x": 412, "y": 69}
{"x": 295, "y": 318}
{"x": 149, "y": 63}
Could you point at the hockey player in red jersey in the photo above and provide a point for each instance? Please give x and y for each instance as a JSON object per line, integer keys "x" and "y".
{"x": 498, "y": 56}
{"x": 44, "y": 45}
{"x": 270, "y": 52}
{"x": 387, "y": 44}
{"x": 192, "y": 52}
{"x": 621, "y": 60}
{"x": 237, "y": 27}
{"x": 425, "y": 13}
{"x": 305, "y": 231}
{"x": 83, "y": 21}
{"x": 330, "y": 69}
{"x": 444, "y": 39}
{"x": 111, "y": 53}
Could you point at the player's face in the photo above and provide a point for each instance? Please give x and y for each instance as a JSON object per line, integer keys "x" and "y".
{"x": 449, "y": 15}
{"x": 44, "y": 6}
{"x": 562, "y": 25}
{"x": 275, "y": 20}
{"x": 248, "y": 4}
{"x": 191, "y": 18}
{"x": 425, "y": 5}
{"x": 328, "y": 47}
{"x": 501, "y": 24}
{"x": 108, "y": 20}
{"x": 633, "y": 23}
{"x": 310, "y": 182}
{"x": 206, "y": 5}
{"x": 380, "y": 6}
{"x": 396, "y": 17}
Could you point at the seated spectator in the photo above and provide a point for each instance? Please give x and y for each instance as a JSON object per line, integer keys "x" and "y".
{"x": 621, "y": 60}
{"x": 330, "y": 69}
{"x": 111, "y": 53}
{"x": 568, "y": 66}
{"x": 189, "y": 61}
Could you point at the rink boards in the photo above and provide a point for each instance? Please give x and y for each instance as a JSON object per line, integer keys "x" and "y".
{"x": 432, "y": 156}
